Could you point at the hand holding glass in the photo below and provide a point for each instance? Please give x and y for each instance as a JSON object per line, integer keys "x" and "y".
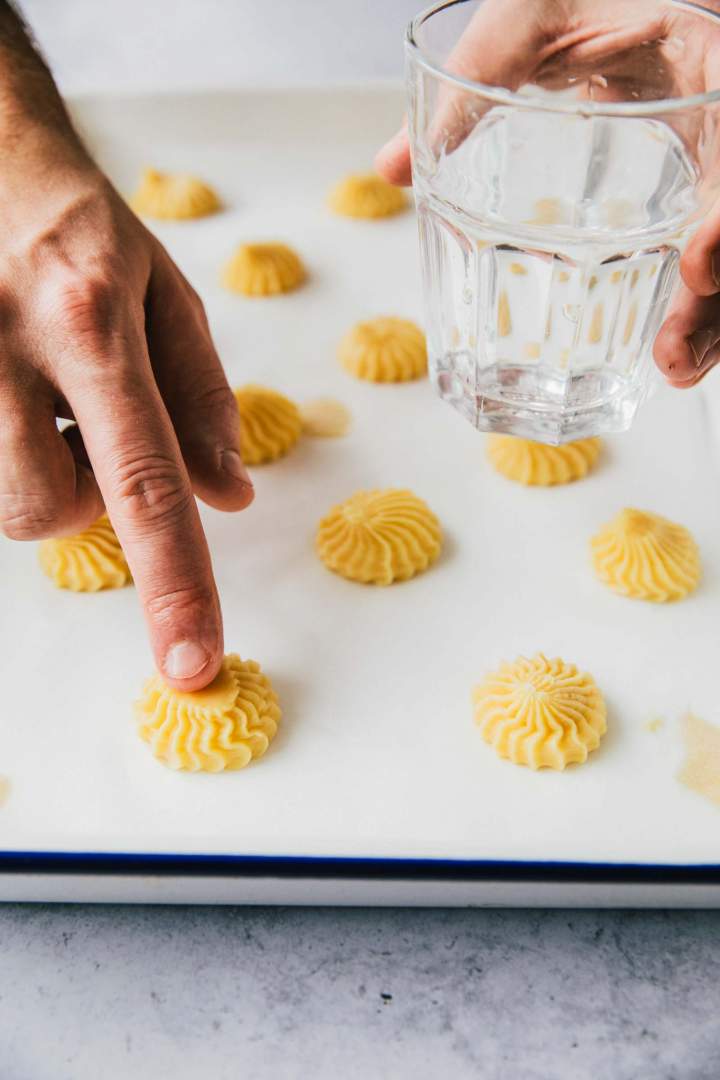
{"x": 562, "y": 157}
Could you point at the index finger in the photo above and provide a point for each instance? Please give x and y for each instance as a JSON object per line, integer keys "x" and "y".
{"x": 139, "y": 468}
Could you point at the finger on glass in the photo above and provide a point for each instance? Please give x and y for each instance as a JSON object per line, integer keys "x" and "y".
{"x": 494, "y": 49}
{"x": 688, "y": 344}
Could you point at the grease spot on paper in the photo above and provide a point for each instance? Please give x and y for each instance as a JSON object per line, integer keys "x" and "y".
{"x": 700, "y": 771}
{"x": 654, "y": 724}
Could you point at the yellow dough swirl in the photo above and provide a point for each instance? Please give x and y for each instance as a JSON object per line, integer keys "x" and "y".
{"x": 647, "y": 557}
{"x": 270, "y": 423}
{"x": 378, "y": 537}
{"x": 386, "y": 349}
{"x": 366, "y": 195}
{"x": 264, "y": 270}
{"x": 224, "y": 726}
{"x": 173, "y": 196}
{"x": 90, "y": 561}
{"x": 541, "y": 713}
{"x": 529, "y": 462}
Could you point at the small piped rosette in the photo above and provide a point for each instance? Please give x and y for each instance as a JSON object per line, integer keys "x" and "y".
{"x": 386, "y": 349}
{"x": 540, "y": 713}
{"x": 379, "y": 537}
{"x": 87, "y": 562}
{"x": 224, "y": 726}
{"x": 533, "y": 463}
{"x": 270, "y": 423}
{"x": 646, "y": 557}
{"x": 366, "y": 195}
{"x": 264, "y": 269}
{"x": 173, "y": 196}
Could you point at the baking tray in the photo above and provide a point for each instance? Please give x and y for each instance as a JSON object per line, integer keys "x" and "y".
{"x": 378, "y": 788}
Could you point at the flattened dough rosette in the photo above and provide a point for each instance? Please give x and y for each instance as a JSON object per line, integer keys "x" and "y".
{"x": 224, "y": 726}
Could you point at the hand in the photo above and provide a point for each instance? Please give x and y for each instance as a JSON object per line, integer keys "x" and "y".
{"x": 513, "y": 42}
{"x": 98, "y": 325}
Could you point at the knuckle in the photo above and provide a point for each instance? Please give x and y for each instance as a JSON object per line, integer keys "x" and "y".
{"x": 87, "y": 310}
{"x": 174, "y": 276}
{"x": 180, "y": 604}
{"x": 219, "y": 400}
{"x": 24, "y": 517}
{"x": 152, "y": 490}
{"x": 193, "y": 296}
{"x": 8, "y": 309}
{"x": 180, "y": 306}
{"x": 86, "y": 299}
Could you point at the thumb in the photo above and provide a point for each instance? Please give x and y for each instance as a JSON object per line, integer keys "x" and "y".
{"x": 688, "y": 344}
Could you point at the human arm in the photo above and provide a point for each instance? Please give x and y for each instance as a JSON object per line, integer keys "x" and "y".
{"x": 99, "y": 326}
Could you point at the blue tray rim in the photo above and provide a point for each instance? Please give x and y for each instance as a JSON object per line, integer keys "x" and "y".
{"x": 351, "y": 867}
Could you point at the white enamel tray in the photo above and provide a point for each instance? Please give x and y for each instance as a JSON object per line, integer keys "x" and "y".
{"x": 378, "y": 787}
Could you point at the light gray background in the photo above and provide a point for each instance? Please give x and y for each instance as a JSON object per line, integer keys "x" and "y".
{"x": 217, "y": 994}
{"x": 171, "y": 44}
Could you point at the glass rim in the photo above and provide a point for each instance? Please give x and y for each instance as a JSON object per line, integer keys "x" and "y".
{"x": 502, "y": 96}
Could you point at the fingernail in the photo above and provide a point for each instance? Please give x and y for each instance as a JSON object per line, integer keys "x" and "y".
{"x": 715, "y": 267}
{"x": 232, "y": 463}
{"x": 700, "y": 342}
{"x": 185, "y": 659}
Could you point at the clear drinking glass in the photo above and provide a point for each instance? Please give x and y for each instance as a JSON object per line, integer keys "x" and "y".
{"x": 558, "y": 170}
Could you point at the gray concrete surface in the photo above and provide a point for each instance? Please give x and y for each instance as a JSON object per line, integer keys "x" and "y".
{"x": 218, "y": 994}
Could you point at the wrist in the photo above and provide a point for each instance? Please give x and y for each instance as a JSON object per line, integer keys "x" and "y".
{"x": 35, "y": 158}
{"x": 36, "y": 132}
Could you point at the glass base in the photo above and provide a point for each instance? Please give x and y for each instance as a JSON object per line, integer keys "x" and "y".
{"x": 550, "y": 407}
